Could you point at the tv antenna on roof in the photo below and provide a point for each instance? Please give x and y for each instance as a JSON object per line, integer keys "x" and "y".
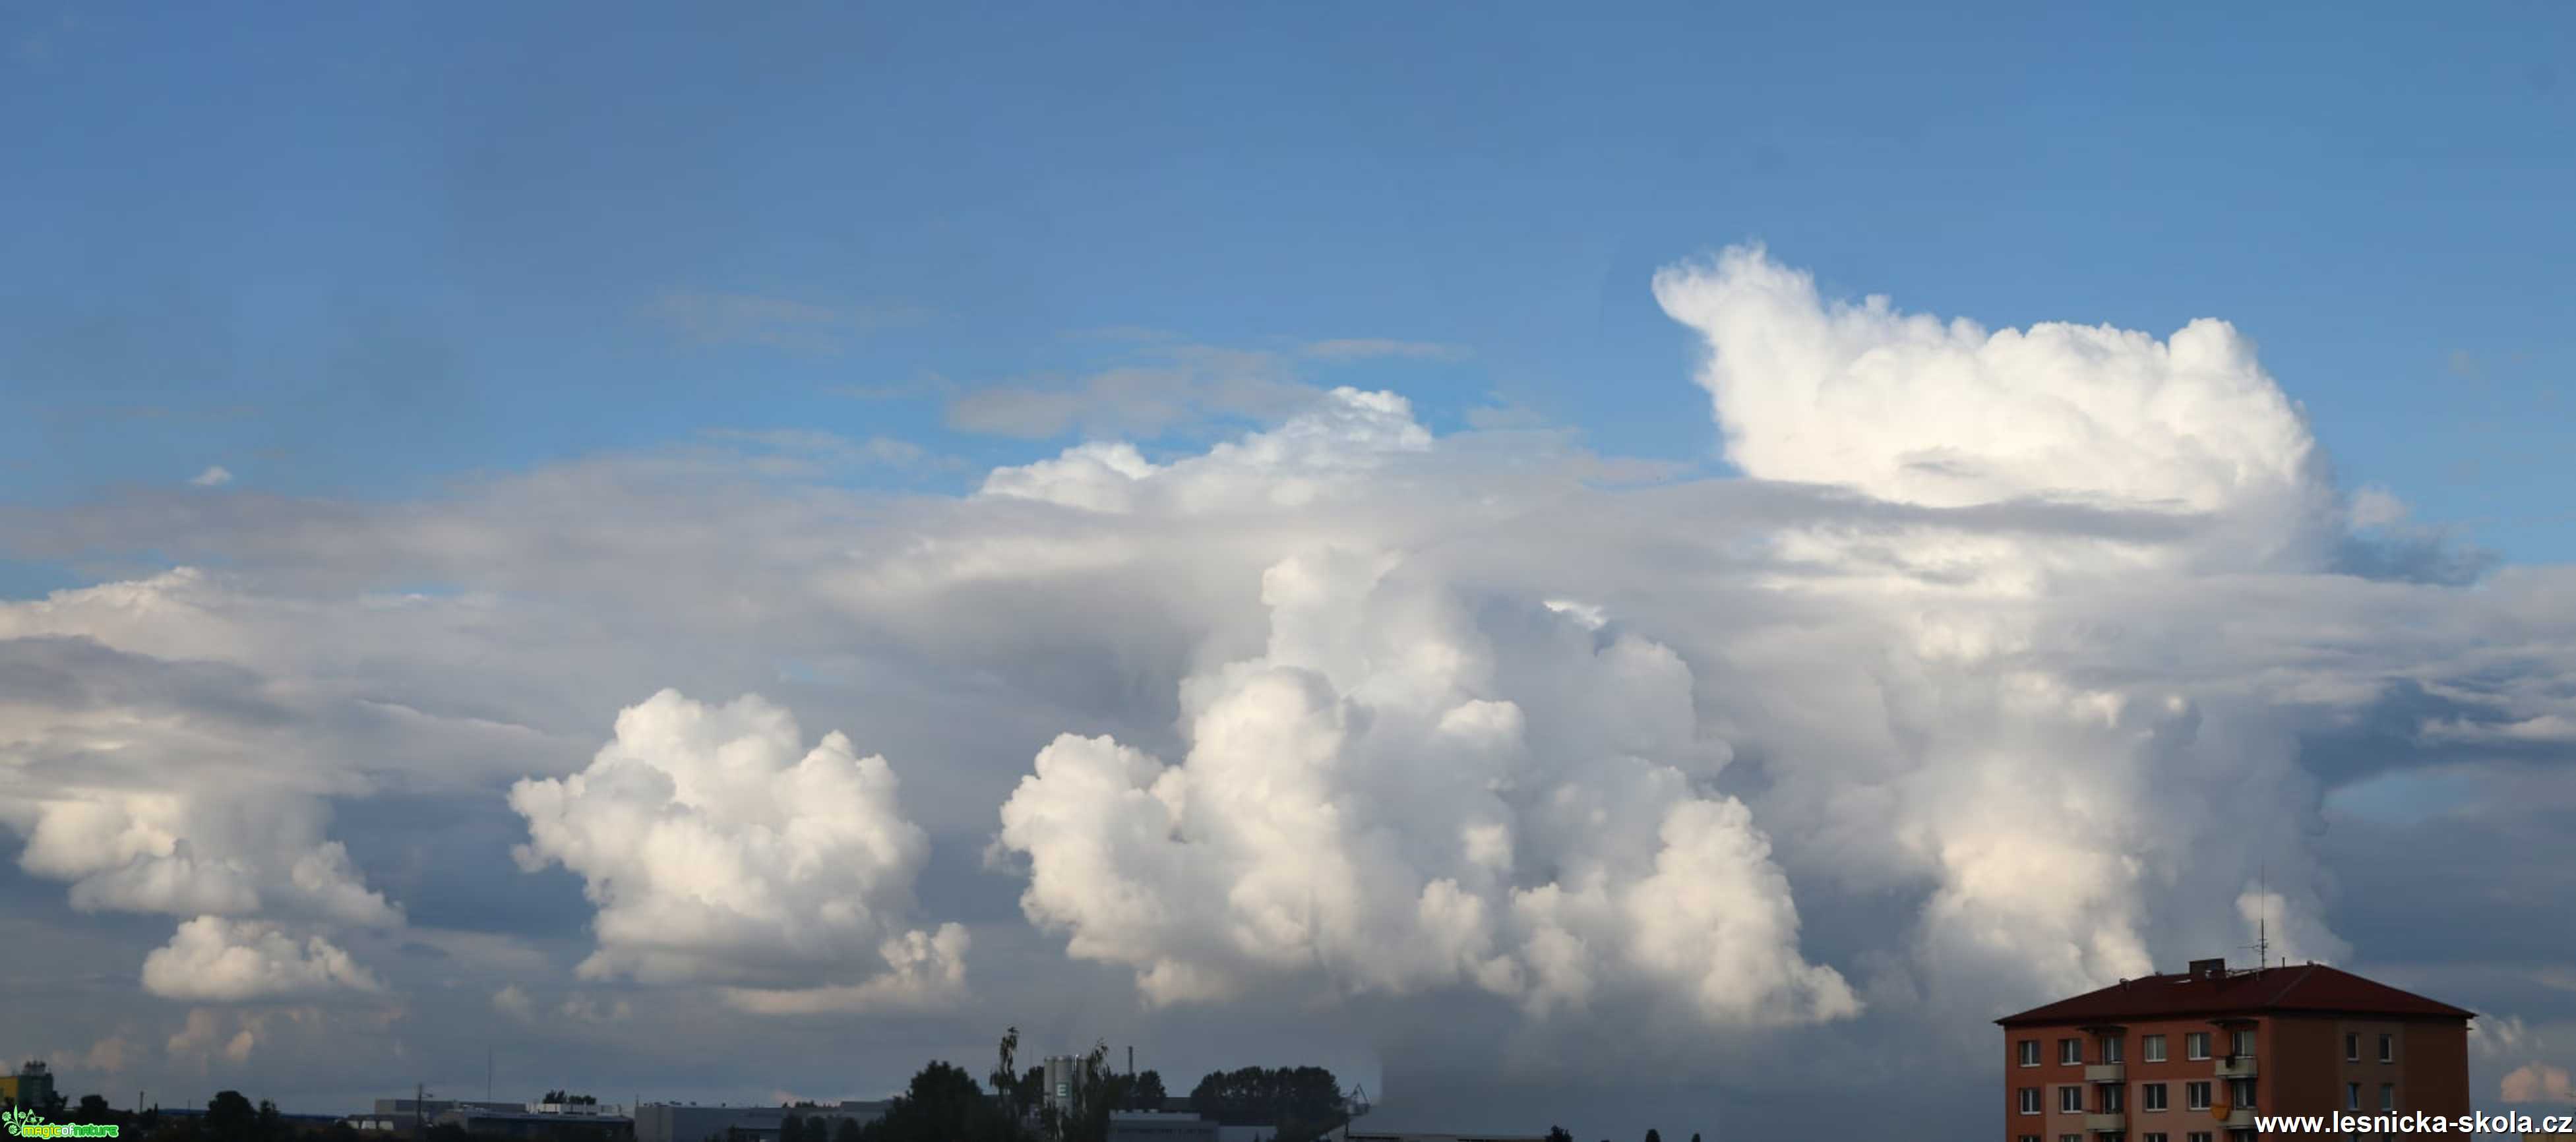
{"x": 2262, "y": 945}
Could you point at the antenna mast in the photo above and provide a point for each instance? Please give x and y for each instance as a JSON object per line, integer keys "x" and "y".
{"x": 2263, "y": 918}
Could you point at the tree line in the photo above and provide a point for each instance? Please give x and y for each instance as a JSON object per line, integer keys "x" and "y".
{"x": 944, "y": 1103}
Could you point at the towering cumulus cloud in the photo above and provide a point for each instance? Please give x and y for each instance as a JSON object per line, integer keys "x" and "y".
{"x": 1924, "y": 646}
{"x": 1977, "y": 717}
{"x": 720, "y": 850}
{"x": 1408, "y": 791}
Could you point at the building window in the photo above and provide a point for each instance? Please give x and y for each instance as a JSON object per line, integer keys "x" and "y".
{"x": 2029, "y": 1138}
{"x": 2352, "y": 1096}
{"x": 2387, "y": 1096}
{"x": 2245, "y": 1041}
{"x": 2195, "y": 1096}
{"x": 2111, "y": 1098}
{"x": 2070, "y": 1138}
{"x": 2070, "y": 1051}
{"x": 2030, "y": 1100}
{"x": 2152, "y": 1096}
{"x": 2240, "y": 1093}
{"x": 2070, "y": 1100}
{"x": 2388, "y": 1048}
{"x": 2352, "y": 1048}
{"x": 2030, "y": 1052}
{"x": 2152, "y": 1048}
{"x": 2110, "y": 1048}
{"x": 2195, "y": 1045}
{"x": 2155, "y": 1138}
{"x": 2197, "y": 1136}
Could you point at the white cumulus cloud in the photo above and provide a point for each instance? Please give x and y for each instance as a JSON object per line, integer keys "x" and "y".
{"x": 719, "y": 849}
{"x": 2537, "y": 1082}
{"x": 1398, "y": 797}
{"x": 214, "y": 960}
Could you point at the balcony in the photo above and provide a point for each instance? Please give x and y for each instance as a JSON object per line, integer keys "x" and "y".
{"x": 2102, "y": 1072}
{"x": 2239, "y": 1118}
{"x": 2112, "y": 1123}
{"x": 2236, "y": 1066}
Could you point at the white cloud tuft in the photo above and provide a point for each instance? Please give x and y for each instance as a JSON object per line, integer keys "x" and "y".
{"x": 923, "y": 970}
{"x": 1326, "y": 452}
{"x": 2537, "y": 1082}
{"x": 215, "y": 476}
{"x": 718, "y": 849}
{"x": 212, "y": 959}
{"x": 513, "y": 1001}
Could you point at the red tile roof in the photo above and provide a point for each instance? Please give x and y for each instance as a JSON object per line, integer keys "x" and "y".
{"x": 2308, "y": 988}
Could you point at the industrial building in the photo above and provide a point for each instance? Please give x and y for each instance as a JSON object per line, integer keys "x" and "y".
{"x": 32, "y": 1086}
{"x": 582, "y": 1124}
{"x": 1160, "y": 1126}
{"x": 683, "y": 1122}
{"x": 2194, "y": 1056}
{"x": 574, "y": 1122}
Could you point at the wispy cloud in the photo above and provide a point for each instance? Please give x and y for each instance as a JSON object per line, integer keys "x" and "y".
{"x": 1365, "y": 348}
{"x": 215, "y": 476}
{"x": 776, "y": 322}
{"x": 925, "y": 385}
{"x": 807, "y": 452}
{"x": 1173, "y": 387}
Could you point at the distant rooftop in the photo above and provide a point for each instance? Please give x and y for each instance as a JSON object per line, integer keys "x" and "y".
{"x": 2211, "y": 989}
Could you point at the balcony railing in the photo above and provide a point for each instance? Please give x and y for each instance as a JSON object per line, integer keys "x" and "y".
{"x": 2102, "y": 1072}
{"x": 2236, "y": 1066}
{"x": 2111, "y": 1123}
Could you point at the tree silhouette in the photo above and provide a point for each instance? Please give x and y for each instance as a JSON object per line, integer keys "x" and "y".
{"x": 1559, "y": 1134}
{"x": 1653, "y": 1136}
{"x": 1302, "y": 1102}
{"x": 943, "y": 1104}
{"x": 231, "y": 1118}
{"x": 1147, "y": 1093}
{"x": 1005, "y": 1073}
{"x": 791, "y": 1129}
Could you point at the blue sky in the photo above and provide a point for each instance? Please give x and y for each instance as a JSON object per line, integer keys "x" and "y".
{"x": 406, "y": 409}
{"x": 363, "y": 249}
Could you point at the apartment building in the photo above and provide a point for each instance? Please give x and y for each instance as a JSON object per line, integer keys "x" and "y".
{"x": 2194, "y": 1056}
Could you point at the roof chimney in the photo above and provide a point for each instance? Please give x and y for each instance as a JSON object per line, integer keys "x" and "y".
{"x": 2209, "y": 969}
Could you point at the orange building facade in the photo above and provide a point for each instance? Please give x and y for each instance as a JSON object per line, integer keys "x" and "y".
{"x": 2195, "y": 1056}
